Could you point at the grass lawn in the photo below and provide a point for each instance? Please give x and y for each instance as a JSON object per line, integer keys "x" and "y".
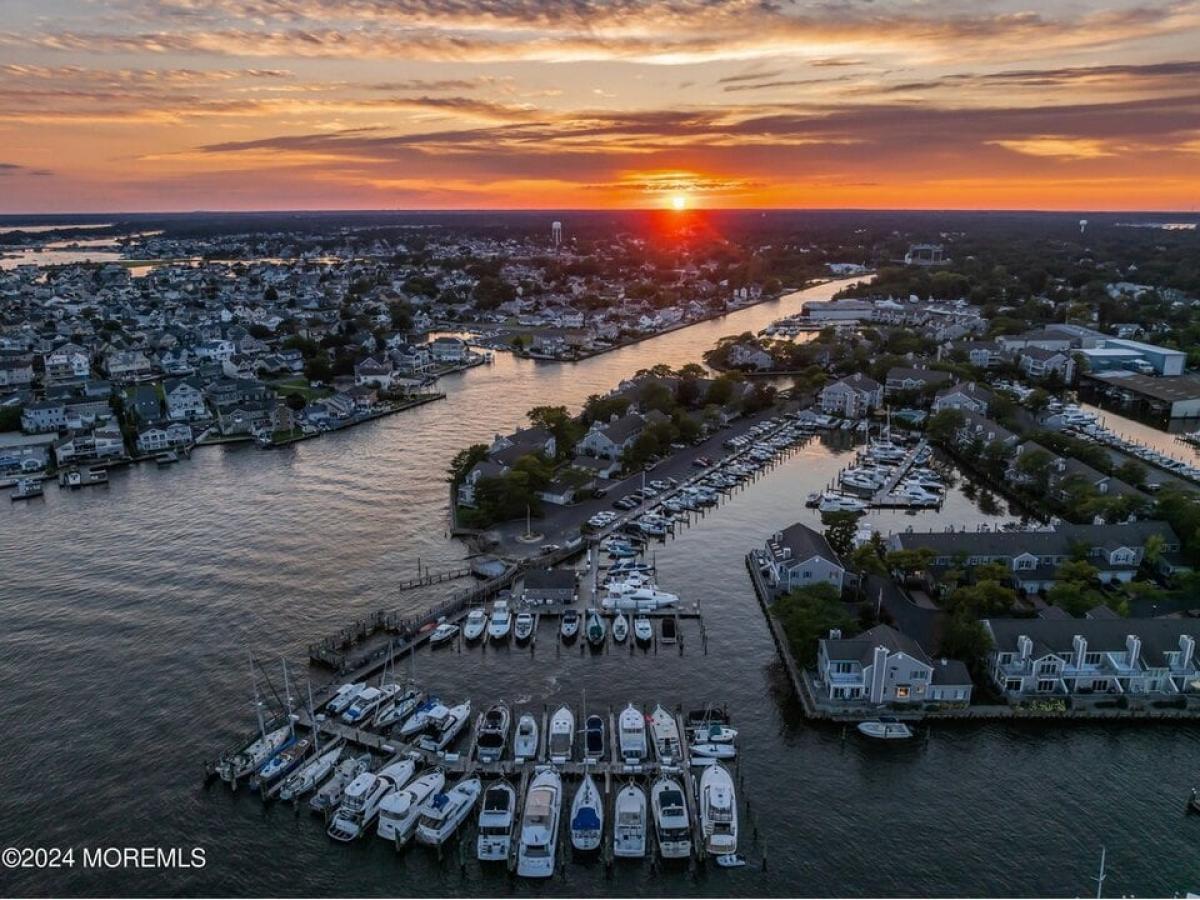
{"x": 299, "y": 385}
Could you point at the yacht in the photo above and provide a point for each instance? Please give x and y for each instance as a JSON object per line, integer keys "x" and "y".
{"x": 562, "y": 735}
{"x": 523, "y": 628}
{"x": 361, "y": 803}
{"x": 329, "y": 795}
{"x": 620, "y": 628}
{"x": 665, "y": 732}
{"x": 643, "y": 630}
{"x": 885, "y": 728}
{"x": 496, "y": 818}
{"x": 430, "y": 708}
{"x": 283, "y": 762}
{"x": 595, "y": 628}
{"x": 368, "y": 700}
{"x": 27, "y": 489}
{"x": 587, "y": 815}
{"x": 441, "y": 732}
{"x": 593, "y": 739}
{"x": 569, "y": 627}
{"x": 444, "y": 632}
{"x": 632, "y": 725}
{"x": 639, "y": 599}
{"x": 310, "y": 775}
{"x": 247, "y": 760}
{"x": 475, "y": 625}
{"x": 345, "y": 695}
{"x": 399, "y": 811}
{"x": 525, "y": 741}
{"x": 835, "y": 503}
{"x": 718, "y": 811}
{"x": 539, "y": 825}
{"x": 444, "y": 812}
{"x": 671, "y": 819}
{"x": 492, "y": 733}
{"x": 501, "y": 621}
{"x": 404, "y": 705}
{"x": 629, "y": 822}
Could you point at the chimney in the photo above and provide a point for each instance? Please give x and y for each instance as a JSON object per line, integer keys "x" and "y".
{"x": 1133, "y": 644}
{"x": 835, "y": 634}
{"x": 1187, "y": 651}
{"x": 1079, "y": 642}
{"x": 1024, "y": 647}
{"x": 878, "y": 673}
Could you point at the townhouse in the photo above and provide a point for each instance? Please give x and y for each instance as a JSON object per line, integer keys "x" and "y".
{"x": 885, "y": 666}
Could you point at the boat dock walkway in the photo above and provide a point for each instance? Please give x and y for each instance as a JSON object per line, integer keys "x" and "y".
{"x": 886, "y": 497}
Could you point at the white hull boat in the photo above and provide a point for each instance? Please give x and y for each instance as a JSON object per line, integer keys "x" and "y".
{"x": 885, "y": 730}
{"x": 442, "y": 732}
{"x": 665, "y": 732}
{"x": 496, "y": 818}
{"x": 587, "y": 816}
{"x": 562, "y": 735}
{"x": 444, "y": 632}
{"x": 310, "y": 775}
{"x": 430, "y": 709}
{"x": 523, "y": 629}
{"x": 632, "y": 727}
{"x": 525, "y": 742}
{"x": 671, "y": 823}
{"x": 475, "y": 625}
{"x": 539, "y": 825}
{"x": 246, "y": 761}
{"x": 345, "y": 695}
{"x": 569, "y": 627}
{"x": 360, "y": 805}
{"x": 401, "y": 708}
{"x": 443, "y": 813}
{"x": 492, "y": 734}
{"x": 714, "y": 733}
{"x": 329, "y": 795}
{"x": 500, "y": 624}
{"x": 629, "y": 823}
{"x": 714, "y": 751}
{"x": 400, "y": 809}
{"x": 718, "y": 811}
{"x": 643, "y": 630}
{"x": 620, "y": 628}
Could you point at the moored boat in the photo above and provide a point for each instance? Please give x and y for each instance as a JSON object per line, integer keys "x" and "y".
{"x": 593, "y": 739}
{"x": 713, "y": 751}
{"x": 525, "y": 741}
{"x": 562, "y": 735}
{"x": 665, "y": 733}
{"x": 310, "y": 774}
{"x": 475, "y": 625}
{"x": 497, "y": 815}
{"x": 360, "y": 805}
{"x": 643, "y": 630}
{"x": 539, "y": 825}
{"x": 500, "y": 623}
{"x": 620, "y": 628}
{"x": 671, "y": 819}
{"x": 718, "y": 811}
{"x": 492, "y": 733}
{"x": 569, "y": 627}
{"x": 629, "y": 822}
{"x": 595, "y": 628}
{"x": 587, "y": 815}
{"x": 523, "y": 627}
{"x": 399, "y": 811}
{"x": 885, "y": 728}
{"x": 444, "y": 812}
{"x": 632, "y": 727}
{"x": 329, "y": 795}
{"x": 441, "y": 732}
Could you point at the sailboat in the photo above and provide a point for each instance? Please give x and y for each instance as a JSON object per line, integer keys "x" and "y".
{"x": 620, "y": 628}
{"x": 595, "y": 629}
{"x": 587, "y": 815}
{"x": 718, "y": 811}
{"x": 629, "y": 822}
{"x": 267, "y": 744}
{"x": 311, "y": 774}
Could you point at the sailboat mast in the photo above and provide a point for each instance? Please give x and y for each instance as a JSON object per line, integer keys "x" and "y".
{"x": 312, "y": 718}
{"x": 258, "y": 706}
{"x": 1100, "y": 878}
{"x": 287, "y": 695}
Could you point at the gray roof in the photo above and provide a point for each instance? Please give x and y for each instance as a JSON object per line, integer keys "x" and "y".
{"x": 805, "y": 543}
{"x": 1158, "y": 636}
{"x": 950, "y": 671}
{"x": 550, "y": 579}
{"x": 861, "y": 648}
{"x": 1043, "y": 543}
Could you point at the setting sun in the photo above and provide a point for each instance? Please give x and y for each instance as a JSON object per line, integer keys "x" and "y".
{"x": 678, "y": 201}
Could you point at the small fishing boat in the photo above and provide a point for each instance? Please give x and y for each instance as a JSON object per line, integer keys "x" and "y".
{"x": 360, "y": 805}
{"x": 620, "y": 628}
{"x": 500, "y": 623}
{"x": 310, "y": 774}
{"x": 523, "y": 627}
{"x": 629, "y": 822}
{"x": 399, "y": 811}
{"x": 444, "y": 632}
{"x": 444, "y": 812}
{"x": 26, "y": 489}
{"x": 665, "y": 732}
{"x": 539, "y": 825}
{"x": 885, "y": 728}
{"x": 562, "y": 735}
{"x": 593, "y": 739}
{"x": 491, "y": 735}
{"x": 587, "y": 816}
{"x": 667, "y": 630}
{"x": 496, "y": 818}
{"x": 730, "y": 860}
{"x": 713, "y": 733}
{"x": 713, "y": 751}
{"x": 329, "y": 795}
{"x": 428, "y": 709}
{"x": 475, "y": 625}
{"x": 718, "y": 811}
{"x": 569, "y": 627}
{"x": 671, "y": 819}
{"x": 525, "y": 741}
{"x": 441, "y": 732}
{"x": 595, "y": 629}
{"x": 643, "y": 630}
{"x": 632, "y": 726}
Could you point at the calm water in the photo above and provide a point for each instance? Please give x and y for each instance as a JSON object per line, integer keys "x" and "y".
{"x": 128, "y": 611}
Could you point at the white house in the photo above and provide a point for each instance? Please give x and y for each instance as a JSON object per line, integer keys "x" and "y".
{"x": 853, "y": 396}
{"x": 883, "y": 665}
{"x": 798, "y": 556}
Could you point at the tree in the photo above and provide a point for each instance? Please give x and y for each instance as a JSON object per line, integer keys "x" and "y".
{"x": 839, "y": 531}
{"x": 1074, "y": 597}
{"x": 983, "y": 598}
{"x": 10, "y": 418}
{"x": 1132, "y": 472}
{"x": 465, "y": 460}
{"x": 806, "y": 615}
{"x": 944, "y": 425}
{"x": 557, "y": 421}
{"x": 965, "y": 638}
{"x": 295, "y": 402}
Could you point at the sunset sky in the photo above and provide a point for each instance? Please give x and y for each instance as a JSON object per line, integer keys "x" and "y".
{"x": 127, "y": 105}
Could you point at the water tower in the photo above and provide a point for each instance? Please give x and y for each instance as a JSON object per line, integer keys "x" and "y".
{"x": 556, "y": 234}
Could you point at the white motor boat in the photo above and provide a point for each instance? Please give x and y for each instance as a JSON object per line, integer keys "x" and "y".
{"x": 836, "y": 503}
{"x": 539, "y": 825}
{"x": 562, "y": 735}
{"x": 496, "y": 818}
{"x": 525, "y": 741}
{"x": 643, "y": 630}
{"x": 632, "y": 728}
{"x": 360, "y": 711}
{"x": 329, "y": 795}
{"x": 713, "y": 751}
{"x": 523, "y": 628}
{"x": 671, "y": 819}
{"x": 641, "y": 599}
{"x": 361, "y": 803}
{"x": 431, "y": 708}
{"x": 718, "y": 811}
{"x": 310, "y": 774}
{"x": 714, "y": 733}
{"x": 886, "y": 729}
{"x": 587, "y": 815}
{"x": 492, "y": 733}
{"x": 569, "y": 627}
{"x": 399, "y": 811}
{"x": 665, "y": 732}
{"x": 629, "y": 822}
{"x": 620, "y": 628}
{"x": 444, "y": 812}
{"x": 344, "y": 696}
{"x": 440, "y": 733}
{"x": 475, "y": 625}
{"x": 406, "y": 703}
{"x": 250, "y": 758}
{"x": 444, "y": 632}
{"x": 500, "y": 624}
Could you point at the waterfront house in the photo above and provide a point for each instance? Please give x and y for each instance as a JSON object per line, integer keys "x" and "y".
{"x": 853, "y": 396}
{"x": 15, "y": 372}
{"x": 83, "y": 413}
{"x": 485, "y": 469}
{"x": 798, "y": 556}
{"x": 611, "y": 439}
{"x": 982, "y": 430}
{"x": 967, "y": 396}
{"x": 374, "y": 371}
{"x": 535, "y": 440}
{"x": 1033, "y": 557}
{"x": 448, "y": 350}
{"x": 99, "y": 444}
{"x": 143, "y": 404}
{"x": 883, "y": 665}
{"x": 548, "y": 586}
{"x": 44, "y": 416}
{"x": 1102, "y": 655}
{"x": 245, "y": 417}
{"x": 156, "y": 438}
{"x": 185, "y": 400}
